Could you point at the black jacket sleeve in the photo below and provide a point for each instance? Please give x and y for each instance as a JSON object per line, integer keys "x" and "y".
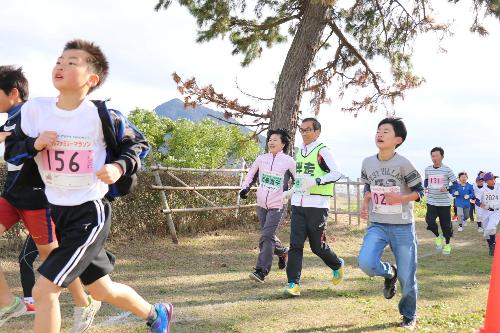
{"x": 18, "y": 146}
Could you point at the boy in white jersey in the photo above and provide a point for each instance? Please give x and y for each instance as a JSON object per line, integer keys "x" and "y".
{"x": 391, "y": 185}
{"x": 478, "y": 188}
{"x": 490, "y": 202}
{"x": 67, "y": 138}
{"x": 437, "y": 180}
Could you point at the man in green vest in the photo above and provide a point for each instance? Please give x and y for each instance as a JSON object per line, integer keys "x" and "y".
{"x": 316, "y": 174}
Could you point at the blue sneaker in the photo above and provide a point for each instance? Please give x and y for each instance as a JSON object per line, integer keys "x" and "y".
{"x": 165, "y": 313}
{"x": 338, "y": 274}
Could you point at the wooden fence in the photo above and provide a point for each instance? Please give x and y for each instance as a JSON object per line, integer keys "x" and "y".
{"x": 340, "y": 200}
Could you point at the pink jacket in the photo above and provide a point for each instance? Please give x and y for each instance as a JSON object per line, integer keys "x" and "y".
{"x": 273, "y": 173}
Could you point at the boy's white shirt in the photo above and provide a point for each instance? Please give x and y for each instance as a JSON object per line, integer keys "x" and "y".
{"x": 79, "y": 130}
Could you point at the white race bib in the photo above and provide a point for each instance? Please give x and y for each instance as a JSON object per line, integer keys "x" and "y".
{"x": 491, "y": 200}
{"x": 272, "y": 181}
{"x": 69, "y": 163}
{"x": 379, "y": 202}
{"x": 436, "y": 182}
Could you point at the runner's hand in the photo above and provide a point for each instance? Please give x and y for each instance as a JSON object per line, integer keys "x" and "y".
{"x": 244, "y": 193}
{"x": 109, "y": 173}
{"x": 45, "y": 139}
{"x": 308, "y": 183}
{"x": 466, "y": 196}
{"x": 393, "y": 198}
{"x": 443, "y": 189}
{"x": 3, "y": 136}
{"x": 364, "y": 212}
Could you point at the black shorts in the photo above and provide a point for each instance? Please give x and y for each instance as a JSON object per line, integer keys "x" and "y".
{"x": 81, "y": 231}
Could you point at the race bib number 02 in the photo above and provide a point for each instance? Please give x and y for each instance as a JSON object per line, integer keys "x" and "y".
{"x": 436, "y": 182}
{"x": 271, "y": 181}
{"x": 69, "y": 163}
{"x": 379, "y": 201}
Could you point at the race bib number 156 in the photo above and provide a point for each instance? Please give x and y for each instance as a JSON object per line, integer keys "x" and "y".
{"x": 69, "y": 163}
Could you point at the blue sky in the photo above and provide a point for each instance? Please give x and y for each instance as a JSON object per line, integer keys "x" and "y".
{"x": 457, "y": 108}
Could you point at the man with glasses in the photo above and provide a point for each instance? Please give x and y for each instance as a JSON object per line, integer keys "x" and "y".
{"x": 316, "y": 174}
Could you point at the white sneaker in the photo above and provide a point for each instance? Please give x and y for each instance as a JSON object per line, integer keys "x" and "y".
{"x": 84, "y": 316}
{"x": 16, "y": 310}
{"x": 479, "y": 229}
{"x": 460, "y": 229}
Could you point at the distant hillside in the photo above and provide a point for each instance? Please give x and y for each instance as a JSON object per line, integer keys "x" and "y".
{"x": 174, "y": 109}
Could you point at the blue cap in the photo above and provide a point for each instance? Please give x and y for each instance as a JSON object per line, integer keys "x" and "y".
{"x": 489, "y": 176}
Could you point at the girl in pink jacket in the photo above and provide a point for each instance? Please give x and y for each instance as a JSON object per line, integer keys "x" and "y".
{"x": 273, "y": 171}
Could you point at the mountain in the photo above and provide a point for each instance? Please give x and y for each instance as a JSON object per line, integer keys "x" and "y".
{"x": 174, "y": 109}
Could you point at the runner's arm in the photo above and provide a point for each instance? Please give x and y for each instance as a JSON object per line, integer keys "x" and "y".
{"x": 333, "y": 174}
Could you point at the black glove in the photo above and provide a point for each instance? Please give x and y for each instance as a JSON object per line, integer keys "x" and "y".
{"x": 244, "y": 193}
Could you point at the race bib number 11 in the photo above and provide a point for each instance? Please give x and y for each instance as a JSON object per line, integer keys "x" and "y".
{"x": 69, "y": 163}
{"x": 379, "y": 200}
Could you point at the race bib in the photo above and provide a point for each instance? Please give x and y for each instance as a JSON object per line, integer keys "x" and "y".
{"x": 298, "y": 186}
{"x": 69, "y": 163}
{"x": 491, "y": 200}
{"x": 379, "y": 202}
{"x": 436, "y": 182}
{"x": 271, "y": 181}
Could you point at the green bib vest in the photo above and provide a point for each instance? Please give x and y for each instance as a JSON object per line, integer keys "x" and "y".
{"x": 309, "y": 165}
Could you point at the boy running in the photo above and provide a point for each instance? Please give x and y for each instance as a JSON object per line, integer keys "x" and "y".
{"x": 463, "y": 192}
{"x": 490, "y": 202}
{"x": 66, "y": 137}
{"x": 478, "y": 188}
{"x": 22, "y": 201}
{"x": 391, "y": 185}
{"x": 437, "y": 180}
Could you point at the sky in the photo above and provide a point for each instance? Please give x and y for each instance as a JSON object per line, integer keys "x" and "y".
{"x": 457, "y": 107}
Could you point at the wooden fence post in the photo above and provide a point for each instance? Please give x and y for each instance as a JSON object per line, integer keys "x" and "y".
{"x": 170, "y": 222}
{"x": 242, "y": 175}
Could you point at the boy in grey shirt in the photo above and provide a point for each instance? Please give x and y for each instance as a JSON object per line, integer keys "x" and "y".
{"x": 391, "y": 185}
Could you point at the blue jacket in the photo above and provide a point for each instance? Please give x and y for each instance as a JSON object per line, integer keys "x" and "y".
{"x": 463, "y": 190}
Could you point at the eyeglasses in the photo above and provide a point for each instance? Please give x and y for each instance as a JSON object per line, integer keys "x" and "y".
{"x": 306, "y": 130}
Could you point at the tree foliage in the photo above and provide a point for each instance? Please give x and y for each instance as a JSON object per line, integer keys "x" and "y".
{"x": 208, "y": 145}
{"x": 183, "y": 143}
{"x": 355, "y": 33}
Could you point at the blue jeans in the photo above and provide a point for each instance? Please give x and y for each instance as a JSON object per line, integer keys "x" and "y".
{"x": 403, "y": 242}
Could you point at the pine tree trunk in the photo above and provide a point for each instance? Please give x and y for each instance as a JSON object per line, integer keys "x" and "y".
{"x": 298, "y": 62}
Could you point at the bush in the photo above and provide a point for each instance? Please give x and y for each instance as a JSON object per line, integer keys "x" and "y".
{"x": 139, "y": 214}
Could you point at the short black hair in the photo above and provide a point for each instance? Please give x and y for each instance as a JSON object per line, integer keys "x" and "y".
{"x": 12, "y": 77}
{"x": 479, "y": 173}
{"x": 439, "y": 149}
{"x": 398, "y": 125}
{"x": 97, "y": 60}
{"x": 316, "y": 123}
{"x": 284, "y": 135}
{"x": 462, "y": 173}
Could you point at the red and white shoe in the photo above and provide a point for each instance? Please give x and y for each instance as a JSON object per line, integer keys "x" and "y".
{"x": 30, "y": 308}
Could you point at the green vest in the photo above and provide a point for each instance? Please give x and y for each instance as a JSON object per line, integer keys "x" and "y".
{"x": 309, "y": 165}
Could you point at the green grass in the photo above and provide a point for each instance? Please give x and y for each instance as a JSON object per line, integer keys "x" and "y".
{"x": 206, "y": 277}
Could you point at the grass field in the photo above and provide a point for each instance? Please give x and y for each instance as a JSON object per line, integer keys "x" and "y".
{"x": 206, "y": 277}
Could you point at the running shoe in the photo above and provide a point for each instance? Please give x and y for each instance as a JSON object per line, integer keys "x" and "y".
{"x": 15, "y": 310}
{"x": 292, "y": 289}
{"x": 164, "y": 312}
{"x": 447, "y": 249}
{"x": 390, "y": 284}
{"x": 84, "y": 316}
{"x": 338, "y": 274}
